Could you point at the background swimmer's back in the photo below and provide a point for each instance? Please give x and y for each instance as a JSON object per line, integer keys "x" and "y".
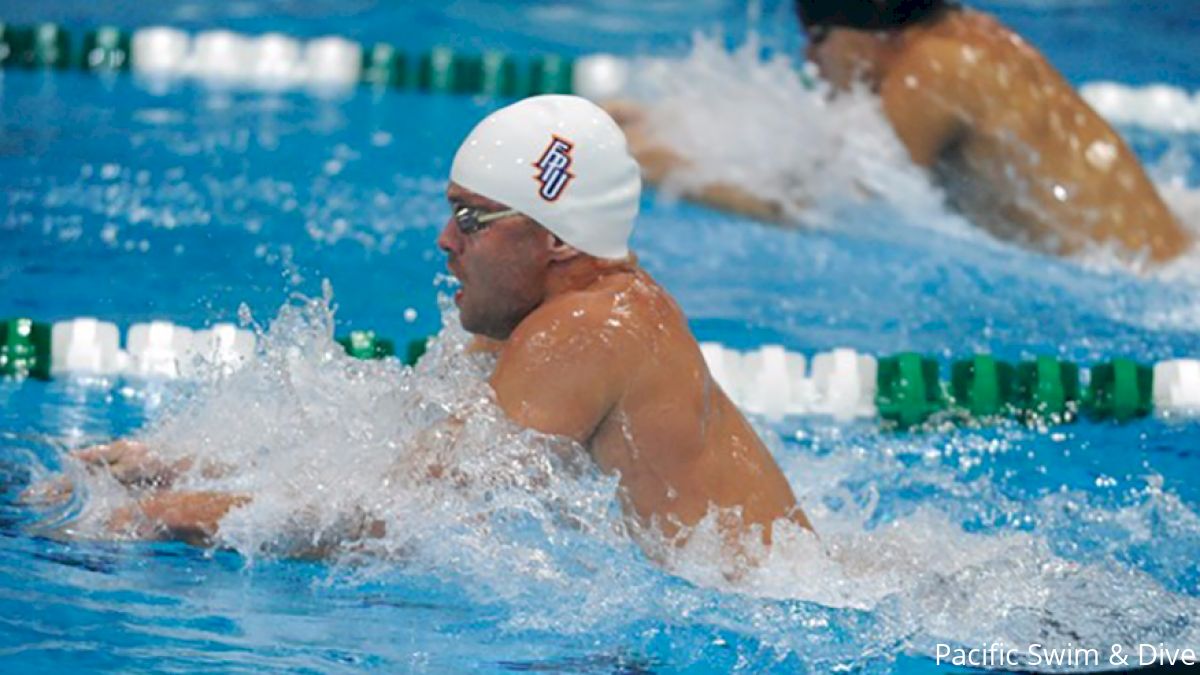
{"x": 1016, "y": 147}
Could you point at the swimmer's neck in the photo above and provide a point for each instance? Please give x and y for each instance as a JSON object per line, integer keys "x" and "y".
{"x": 582, "y": 272}
{"x": 877, "y": 56}
{"x": 569, "y": 276}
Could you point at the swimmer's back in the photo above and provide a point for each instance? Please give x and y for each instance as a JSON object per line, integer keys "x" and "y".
{"x": 1029, "y": 159}
{"x": 697, "y": 447}
{"x": 676, "y": 440}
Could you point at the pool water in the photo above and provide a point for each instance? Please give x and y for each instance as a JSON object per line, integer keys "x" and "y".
{"x": 292, "y": 213}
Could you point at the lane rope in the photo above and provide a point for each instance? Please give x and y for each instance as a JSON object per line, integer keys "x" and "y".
{"x": 905, "y": 390}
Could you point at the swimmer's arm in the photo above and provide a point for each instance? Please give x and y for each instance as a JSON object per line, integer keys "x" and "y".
{"x": 192, "y": 517}
{"x": 924, "y": 103}
{"x": 657, "y": 162}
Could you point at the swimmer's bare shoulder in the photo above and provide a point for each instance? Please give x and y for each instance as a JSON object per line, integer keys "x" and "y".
{"x": 562, "y": 369}
{"x": 929, "y": 109}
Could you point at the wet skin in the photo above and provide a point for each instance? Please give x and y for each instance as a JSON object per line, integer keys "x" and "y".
{"x": 605, "y": 358}
{"x": 589, "y": 349}
{"x": 1016, "y": 149}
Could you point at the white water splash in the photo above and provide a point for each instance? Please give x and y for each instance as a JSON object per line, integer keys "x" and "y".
{"x": 324, "y": 443}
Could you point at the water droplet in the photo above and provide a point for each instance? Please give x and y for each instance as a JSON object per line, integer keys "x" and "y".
{"x": 1101, "y": 155}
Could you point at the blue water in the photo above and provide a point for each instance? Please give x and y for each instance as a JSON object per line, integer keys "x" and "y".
{"x": 131, "y": 205}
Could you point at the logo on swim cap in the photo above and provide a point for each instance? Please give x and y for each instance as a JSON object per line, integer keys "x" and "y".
{"x": 552, "y": 168}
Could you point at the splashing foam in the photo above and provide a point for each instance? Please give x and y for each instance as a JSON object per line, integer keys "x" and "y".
{"x": 758, "y": 125}
{"x": 326, "y": 444}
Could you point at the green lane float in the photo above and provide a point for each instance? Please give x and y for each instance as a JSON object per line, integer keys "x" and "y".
{"x": 415, "y": 350}
{"x": 1047, "y": 389}
{"x": 983, "y": 386}
{"x": 106, "y": 49}
{"x": 550, "y": 74}
{"x": 385, "y": 66}
{"x": 24, "y": 349}
{"x": 45, "y": 45}
{"x": 364, "y": 344}
{"x": 1121, "y": 389}
{"x": 442, "y": 71}
{"x": 7, "y": 50}
{"x": 908, "y": 389}
{"x": 498, "y": 76}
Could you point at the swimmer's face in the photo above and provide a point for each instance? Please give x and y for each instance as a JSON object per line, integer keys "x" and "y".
{"x": 845, "y": 56}
{"x": 502, "y": 267}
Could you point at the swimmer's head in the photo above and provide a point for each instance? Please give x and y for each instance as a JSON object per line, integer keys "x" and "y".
{"x": 501, "y": 259}
{"x": 541, "y": 182}
{"x": 562, "y": 161}
{"x": 849, "y": 40}
{"x": 874, "y": 15}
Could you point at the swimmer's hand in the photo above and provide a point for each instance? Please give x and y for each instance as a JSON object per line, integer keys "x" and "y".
{"x": 129, "y": 462}
{"x": 53, "y": 492}
{"x": 132, "y": 464}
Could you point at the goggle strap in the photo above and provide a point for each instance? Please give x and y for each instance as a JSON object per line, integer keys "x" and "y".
{"x": 495, "y": 215}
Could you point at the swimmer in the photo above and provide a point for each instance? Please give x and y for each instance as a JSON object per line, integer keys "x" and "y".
{"x": 543, "y": 195}
{"x": 1016, "y": 149}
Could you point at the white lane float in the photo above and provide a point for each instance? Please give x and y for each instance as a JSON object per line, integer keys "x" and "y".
{"x": 1177, "y": 386}
{"x": 221, "y": 56}
{"x": 1158, "y": 107}
{"x": 222, "y": 348}
{"x": 85, "y": 346}
{"x": 274, "y": 62}
{"x": 773, "y": 382}
{"x": 160, "y": 51}
{"x": 332, "y": 64}
{"x": 600, "y": 77}
{"x": 157, "y": 349}
{"x": 844, "y": 384}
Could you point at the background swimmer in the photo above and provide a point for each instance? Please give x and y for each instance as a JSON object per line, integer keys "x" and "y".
{"x": 588, "y": 346}
{"x": 1014, "y": 146}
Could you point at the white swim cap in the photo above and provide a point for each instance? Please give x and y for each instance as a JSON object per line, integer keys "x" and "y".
{"x": 562, "y": 161}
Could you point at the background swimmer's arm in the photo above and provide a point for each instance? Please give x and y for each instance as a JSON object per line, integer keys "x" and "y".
{"x": 923, "y": 97}
{"x": 559, "y": 373}
{"x": 727, "y": 197}
{"x": 658, "y": 162}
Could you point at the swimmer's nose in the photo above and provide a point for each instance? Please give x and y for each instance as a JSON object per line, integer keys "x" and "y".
{"x": 449, "y": 240}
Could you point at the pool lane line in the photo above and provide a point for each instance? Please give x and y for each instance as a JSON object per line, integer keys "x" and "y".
{"x": 273, "y": 61}
{"x": 277, "y": 61}
{"x": 88, "y": 346}
{"x": 903, "y": 390}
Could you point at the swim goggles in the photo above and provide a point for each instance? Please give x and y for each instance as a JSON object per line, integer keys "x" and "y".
{"x": 471, "y": 219}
